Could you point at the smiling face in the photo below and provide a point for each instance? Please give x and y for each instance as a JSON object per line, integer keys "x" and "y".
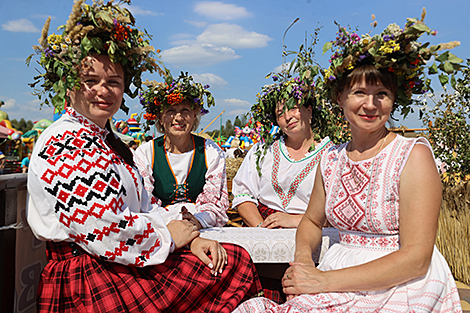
{"x": 295, "y": 120}
{"x": 366, "y": 106}
{"x": 101, "y": 89}
{"x": 179, "y": 119}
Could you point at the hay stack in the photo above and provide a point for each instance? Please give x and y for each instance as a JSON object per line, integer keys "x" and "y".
{"x": 453, "y": 233}
{"x": 232, "y": 166}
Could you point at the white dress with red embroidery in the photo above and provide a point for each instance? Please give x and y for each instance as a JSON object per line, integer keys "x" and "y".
{"x": 212, "y": 203}
{"x": 82, "y": 191}
{"x": 366, "y": 215}
{"x": 284, "y": 185}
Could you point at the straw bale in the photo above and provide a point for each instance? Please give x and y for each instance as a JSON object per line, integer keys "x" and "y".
{"x": 453, "y": 233}
{"x": 232, "y": 165}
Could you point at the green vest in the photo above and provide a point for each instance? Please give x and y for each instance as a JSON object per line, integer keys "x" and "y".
{"x": 165, "y": 186}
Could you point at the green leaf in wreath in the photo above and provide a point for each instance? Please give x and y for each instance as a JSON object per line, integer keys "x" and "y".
{"x": 327, "y": 46}
{"x": 443, "y": 57}
{"x": 433, "y": 69}
{"x": 444, "y": 79}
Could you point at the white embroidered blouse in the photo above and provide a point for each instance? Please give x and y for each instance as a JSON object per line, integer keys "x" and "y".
{"x": 212, "y": 203}
{"x": 285, "y": 184}
{"x": 82, "y": 191}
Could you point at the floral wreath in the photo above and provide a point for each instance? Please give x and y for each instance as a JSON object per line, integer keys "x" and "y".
{"x": 396, "y": 50}
{"x": 293, "y": 91}
{"x": 92, "y": 29}
{"x": 159, "y": 96}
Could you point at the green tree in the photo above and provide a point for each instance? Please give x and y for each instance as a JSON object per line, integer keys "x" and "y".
{"x": 240, "y": 121}
{"x": 22, "y": 125}
{"x": 237, "y": 122}
{"x": 229, "y": 129}
{"x": 449, "y": 130}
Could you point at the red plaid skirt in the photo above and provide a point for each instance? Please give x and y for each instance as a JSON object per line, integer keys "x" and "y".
{"x": 75, "y": 281}
{"x": 265, "y": 211}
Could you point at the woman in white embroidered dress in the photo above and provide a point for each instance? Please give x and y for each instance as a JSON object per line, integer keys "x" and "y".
{"x": 273, "y": 190}
{"x": 185, "y": 172}
{"x": 108, "y": 247}
{"x": 383, "y": 192}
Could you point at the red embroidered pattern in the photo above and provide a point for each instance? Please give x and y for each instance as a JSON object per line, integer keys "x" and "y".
{"x": 286, "y": 198}
{"x": 371, "y": 207}
{"x": 369, "y": 241}
{"x": 84, "y": 179}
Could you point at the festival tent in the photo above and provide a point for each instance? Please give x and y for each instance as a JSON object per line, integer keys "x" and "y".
{"x": 4, "y": 132}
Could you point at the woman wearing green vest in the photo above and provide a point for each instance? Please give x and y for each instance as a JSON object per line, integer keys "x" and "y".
{"x": 185, "y": 172}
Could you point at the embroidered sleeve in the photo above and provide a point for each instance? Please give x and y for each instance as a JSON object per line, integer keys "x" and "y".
{"x": 212, "y": 203}
{"x": 83, "y": 192}
{"x": 245, "y": 185}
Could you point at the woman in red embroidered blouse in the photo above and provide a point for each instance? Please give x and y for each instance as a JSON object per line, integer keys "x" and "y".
{"x": 108, "y": 247}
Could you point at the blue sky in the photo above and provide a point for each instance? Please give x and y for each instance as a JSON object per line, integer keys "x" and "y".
{"x": 230, "y": 45}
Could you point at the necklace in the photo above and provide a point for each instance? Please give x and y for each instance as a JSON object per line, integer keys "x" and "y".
{"x": 310, "y": 148}
{"x": 358, "y": 181}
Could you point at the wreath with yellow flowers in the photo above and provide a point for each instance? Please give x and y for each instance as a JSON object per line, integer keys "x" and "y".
{"x": 397, "y": 50}
{"x": 92, "y": 29}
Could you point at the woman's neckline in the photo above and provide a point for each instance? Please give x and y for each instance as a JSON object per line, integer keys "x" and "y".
{"x": 307, "y": 155}
{"x": 368, "y": 159}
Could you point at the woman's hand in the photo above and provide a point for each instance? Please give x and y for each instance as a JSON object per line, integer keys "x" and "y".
{"x": 182, "y": 232}
{"x": 189, "y": 217}
{"x": 301, "y": 278}
{"x": 201, "y": 247}
{"x": 281, "y": 219}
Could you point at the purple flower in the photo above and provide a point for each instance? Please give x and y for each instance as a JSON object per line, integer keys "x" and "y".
{"x": 207, "y": 87}
{"x": 196, "y": 100}
{"x": 331, "y": 78}
{"x": 204, "y": 111}
{"x": 275, "y": 78}
{"x": 115, "y": 22}
{"x": 49, "y": 52}
{"x": 387, "y": 38}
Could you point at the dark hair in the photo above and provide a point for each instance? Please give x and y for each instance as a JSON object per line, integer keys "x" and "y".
{"x": 120, "y": 147}
{"x": 371, "y": 75}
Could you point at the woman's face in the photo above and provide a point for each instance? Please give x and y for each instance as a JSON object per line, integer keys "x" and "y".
{"x": 295, "y": 120}
{"x": 178, "y": 120}
{"x": 101, "y": 90}
{"x": 367, "y": 107}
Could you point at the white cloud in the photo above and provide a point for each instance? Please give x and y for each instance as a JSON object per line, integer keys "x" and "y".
{"x": 183, "y": 39}
{"x": 20, "y": 26}
{"x": 139, "y": 11}
{"x": 210, "y": 79}
{"x": 30, "y": 110}
{"x": 198, "y": 54}
{"x": 232, "y": 35}
{"x": 221, "y": 11}
{"x": 238, "y": 112}
{"x": 9, "y": 105}
{"x": 233, "y": 102}
{"x": 196, "y": 23}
